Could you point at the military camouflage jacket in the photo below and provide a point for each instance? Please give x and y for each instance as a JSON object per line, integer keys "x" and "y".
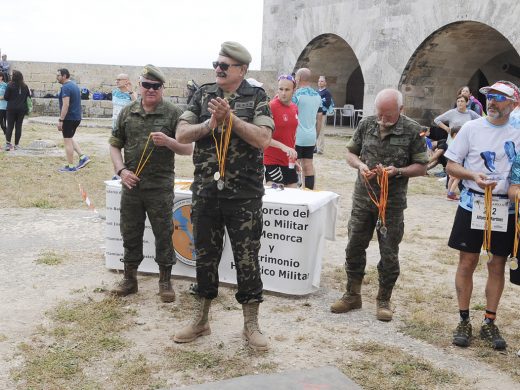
{"x": 131, "y": 133}
{"x": 244, "y": 172}
{"x": 403, "y": 146}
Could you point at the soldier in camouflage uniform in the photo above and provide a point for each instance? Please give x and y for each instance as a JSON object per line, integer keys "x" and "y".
{"x": 388, "y": 141}
{"x": 231, "y": 198}
{"x": 143, "y": 126}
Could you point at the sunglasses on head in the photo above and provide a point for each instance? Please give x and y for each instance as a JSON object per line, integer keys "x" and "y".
{"x": 223, "y": 65}
{"x": 496, "y": 97}
{"x": 286, "y": 77}
{"x": 154, "y": 86}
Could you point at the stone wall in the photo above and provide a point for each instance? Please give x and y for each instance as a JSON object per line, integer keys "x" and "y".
{"x": 41, "y": 78}
{"x": 428, "y": 49}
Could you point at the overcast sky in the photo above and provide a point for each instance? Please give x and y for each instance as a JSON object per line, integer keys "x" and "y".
{"x": 173, "y": 33}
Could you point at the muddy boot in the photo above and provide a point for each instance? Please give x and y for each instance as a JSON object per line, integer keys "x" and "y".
{"x": 384, "y": 312}
{"x": 350, "y": 300}
{"x": 199, "y": 326}
{"x": 128, "y": 285}
{"x": 252, "y": 333}
{"x": 165, "y": 285}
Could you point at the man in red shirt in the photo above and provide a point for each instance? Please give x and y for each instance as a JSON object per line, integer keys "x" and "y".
{"x": 280, "y": 156}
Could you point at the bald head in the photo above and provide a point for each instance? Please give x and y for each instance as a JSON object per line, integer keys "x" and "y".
{"x": 389, "y": 103}
{"x": 303, "y": 77}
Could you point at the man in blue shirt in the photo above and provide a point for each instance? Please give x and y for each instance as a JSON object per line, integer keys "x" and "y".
{"x": 309, "y": 113}
{"x": 70, "y": 118}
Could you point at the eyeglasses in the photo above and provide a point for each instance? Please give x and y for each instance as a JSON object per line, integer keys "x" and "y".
{"x": 223, "y": 65}
{"x": 496, "y": 97}
{"x": 154, "y": 86}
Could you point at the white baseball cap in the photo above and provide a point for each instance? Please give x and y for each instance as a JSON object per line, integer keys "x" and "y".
{"x": 508, "y": 89}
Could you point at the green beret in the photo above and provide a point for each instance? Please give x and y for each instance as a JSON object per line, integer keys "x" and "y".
{"x": 236, "y": 51}
{"x": 153, "y": 73}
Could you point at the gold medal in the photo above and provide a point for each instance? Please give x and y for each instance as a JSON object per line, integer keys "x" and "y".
{"x": 216, "y": 176}
{"x": 513, "y": 263}
{"x": 220, "y": 185}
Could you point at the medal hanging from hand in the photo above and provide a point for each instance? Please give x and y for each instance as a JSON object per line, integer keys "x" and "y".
{"x": 142, "y": 163}
{"x": 488, "y": 206}
{"x": 221, "y": 151}
{"x": 382, "y": 180}
{"x": 513, "y": 261}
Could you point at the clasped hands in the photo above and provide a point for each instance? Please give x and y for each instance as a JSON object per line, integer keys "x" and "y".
{"x": 220, "y": 110}
{"x": 378, "y": 170}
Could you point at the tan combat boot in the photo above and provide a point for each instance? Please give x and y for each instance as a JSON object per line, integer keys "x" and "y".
{"x": 165, "y": 285}
{"x": 128, "y": 285}
{"x": 252, "y": 333}
{"x": 383, "y": 311}
{"x": 350, "y": 300}
{"x": 199, "y": 326}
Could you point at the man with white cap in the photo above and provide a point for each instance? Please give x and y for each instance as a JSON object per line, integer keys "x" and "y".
{"x": 482, "y": 155}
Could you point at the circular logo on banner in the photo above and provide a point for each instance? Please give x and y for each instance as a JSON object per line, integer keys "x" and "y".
{"x": 182, "y": 237}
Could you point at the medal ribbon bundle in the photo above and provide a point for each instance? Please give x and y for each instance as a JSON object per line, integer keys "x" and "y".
{"x": 382, "y": 181}
{"x": 513, "y": 261}
{"x": 488, "y": 207}
{"x": 142, "y": 163}
{"x": 222, "y": 149}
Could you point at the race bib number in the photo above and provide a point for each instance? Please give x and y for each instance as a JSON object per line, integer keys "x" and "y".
{"x": 499, "y": 214}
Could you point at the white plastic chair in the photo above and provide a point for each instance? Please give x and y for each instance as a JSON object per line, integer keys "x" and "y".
{"x": 348, "y": 112}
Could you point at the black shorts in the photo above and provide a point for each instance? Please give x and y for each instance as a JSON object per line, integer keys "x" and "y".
{"x": 305, "y": 152}
{"x": 465, "y": 239}
{"x": 280, "y": 174}
{"x": 69, "y": 128}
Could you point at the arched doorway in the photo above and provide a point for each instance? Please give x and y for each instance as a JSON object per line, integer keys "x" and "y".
{"x": 331, "y": 56}
{"x": 462, "y": 53}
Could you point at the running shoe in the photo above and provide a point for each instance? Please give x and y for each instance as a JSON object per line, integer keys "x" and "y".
{"x": 83, "y": 161}
{"x": 491, "y": 334}
{"x": 8, "y": 147}
{"x": 462, "y": 334}
{"x": 66, "y": 168}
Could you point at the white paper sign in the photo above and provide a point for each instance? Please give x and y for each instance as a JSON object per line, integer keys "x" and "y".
{"x": 499, "y": 214}
{"x": 296, "y": 224}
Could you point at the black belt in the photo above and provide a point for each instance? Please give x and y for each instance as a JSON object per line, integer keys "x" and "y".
{"x": 499, "y": 196}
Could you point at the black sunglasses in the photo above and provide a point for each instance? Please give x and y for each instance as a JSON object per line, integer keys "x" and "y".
{"x": 223, "y": 65}
{"x": 154, "y": 86}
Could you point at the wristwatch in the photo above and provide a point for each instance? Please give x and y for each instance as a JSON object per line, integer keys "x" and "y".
{"x": 399, "y": 172}
{"x": 121, "y": 170}
{"x": 206, "y": 124}
{"x": 60, "y": 120}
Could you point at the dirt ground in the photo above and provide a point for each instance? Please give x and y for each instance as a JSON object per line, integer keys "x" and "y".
{"x": 302, "y": 331}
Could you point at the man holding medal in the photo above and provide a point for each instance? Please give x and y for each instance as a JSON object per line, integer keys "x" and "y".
{"x": 230, "y": 123}
{"x": 387, "y": 149}
{"x": 145, "y": 129}
{"x": 482, "y": 156}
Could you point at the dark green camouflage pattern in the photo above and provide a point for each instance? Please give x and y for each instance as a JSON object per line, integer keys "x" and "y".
{"x": 131, "y": 132}
{"x": 402, "y": 147}
{"x": 244, "y": 164}
{"x": 361, "y": 227}
{"x": 157, "y": 203}
{"x": 243, "y": 219}
{"x": 153, "y": 195}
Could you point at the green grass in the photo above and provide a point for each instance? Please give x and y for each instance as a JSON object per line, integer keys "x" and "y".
{"x": 51, "y": 258}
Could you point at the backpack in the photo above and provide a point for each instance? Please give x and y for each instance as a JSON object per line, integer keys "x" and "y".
{"x": 84, "y": 92}
{"x": 330, "y": 110}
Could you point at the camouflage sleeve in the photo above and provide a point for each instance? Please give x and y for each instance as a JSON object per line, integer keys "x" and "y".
{"x": 418, "y": 154}
{"x": 118, "y": 137}
{"x": 192, "y": 114}
{"x": 177, "y": 113}
{"x": 356, "y": 142}
{"x": 263, "y": 116}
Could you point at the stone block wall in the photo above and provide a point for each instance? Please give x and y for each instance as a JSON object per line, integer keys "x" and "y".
{"x": 41, "y": 78}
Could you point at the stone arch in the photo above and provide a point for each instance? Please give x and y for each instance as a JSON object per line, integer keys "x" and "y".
{"x": 331, "y": 56}
{"x": 461, "y": 53}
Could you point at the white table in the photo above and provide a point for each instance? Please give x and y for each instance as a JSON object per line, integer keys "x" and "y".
{"x": 296, "y": 224}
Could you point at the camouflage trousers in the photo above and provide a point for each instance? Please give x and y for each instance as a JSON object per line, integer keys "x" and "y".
{"x": 157, "y": 204}
{"x": 361, "y": 230}
{"x": 243, "y": 220}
